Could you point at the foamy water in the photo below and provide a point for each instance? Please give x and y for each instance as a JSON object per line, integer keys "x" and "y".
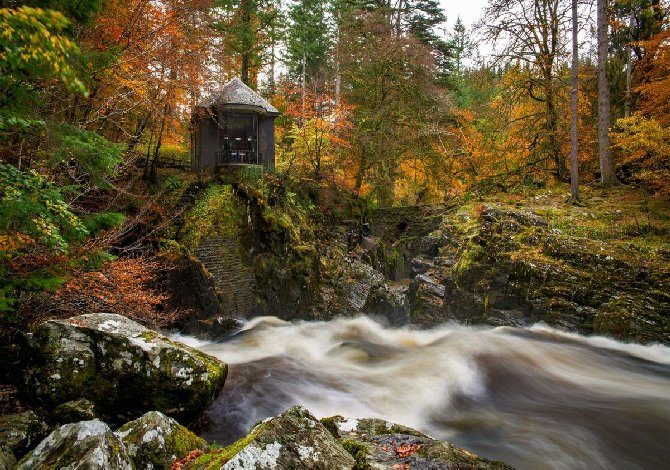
{"x": 534, "y": 398}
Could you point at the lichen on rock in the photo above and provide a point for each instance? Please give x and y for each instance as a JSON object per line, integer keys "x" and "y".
{"x": 121, "y": 366}
{"x": 154, "y": 440}
{"x": 379, "y": 444}
{"x": 295, "y": 439}
{"x": 20, "y": 431}
{"x": 86, "y": 444}
{"x": 74, "y": 411}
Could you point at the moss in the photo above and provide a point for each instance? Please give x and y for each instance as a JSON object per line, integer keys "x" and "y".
{"x": 218, "y": 211}
{"x": 149, "y": 335}
{"x": 359, "y": 452}
{"x": 218, "y": 457}
{"x": 183, "y": 441}
{"x": 472, "y": 253}
{"x": 331, "y": 425}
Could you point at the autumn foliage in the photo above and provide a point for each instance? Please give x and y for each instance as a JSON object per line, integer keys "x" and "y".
{"x": 128, "y": 287}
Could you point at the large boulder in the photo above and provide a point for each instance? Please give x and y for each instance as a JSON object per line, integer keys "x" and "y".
{"x": 82, "y": 445}
{"x": 154, "y": 440}
{"x": 379, "y": 444}
{"x": 7, "y": 459}
{"x": 21, "y": 431}
{"x": 292, "y": 440}
{"x": 73, "y": 411}
{"x": 121, "y": 366}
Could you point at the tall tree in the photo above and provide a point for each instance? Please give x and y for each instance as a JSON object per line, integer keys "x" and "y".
{"x": 532, "y": 32}
{"x": 607, "y": 175}
{"x": 460, "y": 45}
{"x": 389, "y": 81}
{"x": 247, "y": 28}
{"x": 574, "y": 108}
{"x": 308, "y": 39}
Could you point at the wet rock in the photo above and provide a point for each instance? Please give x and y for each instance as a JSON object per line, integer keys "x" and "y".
{"x": 426, "y": 295}
{"x": 74, "y": 411}
{"x": 154, "y": 440}
{"x": 7, "y": 459}
{"x": 388, "y": 301}
{"x": 121, "y": 366}
{"x": 292, "y": 440}
{"x": 84, "y": 445}
{"x": 430, "y": 245}
{"x": 379, "y": 444}
{"x": 420, "y": 266}
{"x": 212, "y": 329}
{"x": 21, "y": 431}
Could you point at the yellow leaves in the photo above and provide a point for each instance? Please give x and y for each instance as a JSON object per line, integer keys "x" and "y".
{"x": 645, "y": 143}
{"x": 33, "y": 46}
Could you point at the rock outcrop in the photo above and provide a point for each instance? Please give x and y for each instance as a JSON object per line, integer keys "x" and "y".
{"x": 295, "y": 439}
{"x": 21, "y": 431}
{"x": 7, "y": 459}
{"x": 74, "y": 411}
{"x": 121, "y": 366}
{"x": 292, "y": 440}
{"x": 154, "y": 440}
{"x": 378, "y": 444}
{"x": 86, "y": 444}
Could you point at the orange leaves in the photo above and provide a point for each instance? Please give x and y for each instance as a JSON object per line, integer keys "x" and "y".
{"x": 401, "y": 450}
{"x": 127, "y": 286}
{"x": 655, "y": 88}
{"x": 312, "y": 134}
{"x": 160, "y": 51}
{"x": 407, "y": 450}
{"x": 179, "y": 464}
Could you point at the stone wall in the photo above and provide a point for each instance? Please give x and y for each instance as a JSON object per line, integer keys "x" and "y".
{"x": 394, "y": 223}
{"x": 234, "y": 280}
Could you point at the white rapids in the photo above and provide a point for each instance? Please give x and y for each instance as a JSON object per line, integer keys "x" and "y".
{"x": 533, "y": 398}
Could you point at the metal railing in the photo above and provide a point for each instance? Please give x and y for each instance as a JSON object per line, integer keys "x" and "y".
{"x": 232, "y": 157}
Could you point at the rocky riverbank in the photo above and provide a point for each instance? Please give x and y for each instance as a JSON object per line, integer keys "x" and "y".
{"x": 105, "y": 392}
{"x": 515, "y": 259}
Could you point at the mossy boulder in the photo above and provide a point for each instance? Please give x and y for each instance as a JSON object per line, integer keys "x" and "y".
{"x": 154, "y": 440}
{"x": 74, "y": 411}
{"x": 86, "y": 444}
{"x": 379, "y": 444}
{"x": 292, "y": 440}
{"x": 7, "y": 459}
{"x": 121, "y": 366}
{"x": 21, "y": 431}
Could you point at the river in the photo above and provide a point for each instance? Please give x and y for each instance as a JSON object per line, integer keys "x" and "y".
{"x": 533, "y": 398}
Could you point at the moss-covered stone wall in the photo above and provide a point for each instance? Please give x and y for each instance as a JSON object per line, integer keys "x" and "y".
{"x": 233, "y": 278}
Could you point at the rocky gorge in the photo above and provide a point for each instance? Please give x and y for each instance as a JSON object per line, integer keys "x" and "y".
{"x": 419, "y": 324}
{"x": 106, "y": 366}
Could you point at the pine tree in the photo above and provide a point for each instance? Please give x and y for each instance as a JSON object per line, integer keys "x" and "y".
{"x": 248, "y": 29}
{"x": 460, "y": 45}
{"x": 604, "y": 120}
{"x": 308, "y": 38}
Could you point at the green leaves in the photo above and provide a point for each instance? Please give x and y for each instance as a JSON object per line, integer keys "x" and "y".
{"x": 33, "y": 47}
{"x": 95, "y": 156}
{"x": 32, "y": 212}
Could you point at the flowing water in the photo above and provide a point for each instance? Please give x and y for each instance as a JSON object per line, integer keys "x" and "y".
{"x": 534, "y": 398}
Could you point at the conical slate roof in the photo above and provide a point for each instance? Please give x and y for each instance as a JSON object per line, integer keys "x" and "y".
{"x": 236, "y": 92}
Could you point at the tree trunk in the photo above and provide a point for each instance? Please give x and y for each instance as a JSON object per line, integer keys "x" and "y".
{"x": 303, "y": 80}
{"x": 574, "y": 102}
{"x": 552, "y": 129}
{"x": 247, "y": 43}
{"x": 604, "y": 120}
{"x": 629, "y": 67}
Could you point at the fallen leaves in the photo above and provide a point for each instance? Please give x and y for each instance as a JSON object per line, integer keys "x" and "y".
{"x": 402, "y": 450}
{"x": 179, "y": 464}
